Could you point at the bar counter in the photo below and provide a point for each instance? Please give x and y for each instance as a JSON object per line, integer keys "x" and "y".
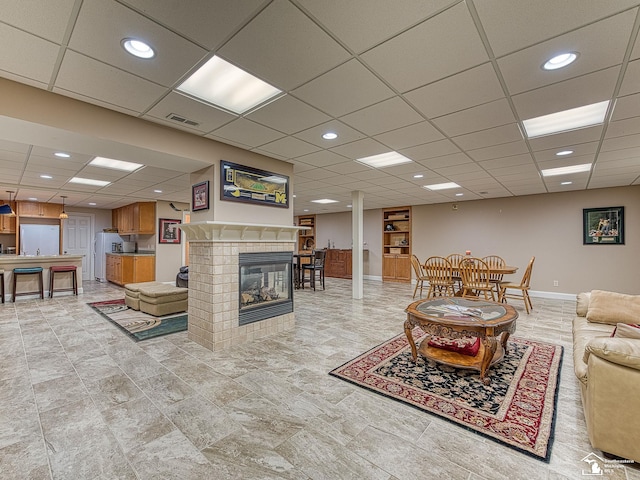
{"x": 30, "y": 283}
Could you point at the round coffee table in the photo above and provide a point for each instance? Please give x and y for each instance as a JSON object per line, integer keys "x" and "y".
{"x": 453, "y": 317}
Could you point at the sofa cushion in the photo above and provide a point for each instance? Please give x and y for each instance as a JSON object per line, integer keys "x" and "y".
{"x": 582, "y": 304}
{"x": 613, "y": 308}
{"x": 626, "y": 330}
{"x": 583, "y": 332}
{"x": 621, "y": 351}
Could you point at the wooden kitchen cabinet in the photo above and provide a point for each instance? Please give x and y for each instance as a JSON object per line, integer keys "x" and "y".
{"x": 39, "y": 209}
{"x": 338, "y": 263}
{"x": 396, "y": 244}
{"x": 135, "y": 218}
{"x": 123, "y": 269}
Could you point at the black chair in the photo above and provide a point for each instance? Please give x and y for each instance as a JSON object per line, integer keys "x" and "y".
{"x": 182, "y": 278}
{"x": 316, "y": 266}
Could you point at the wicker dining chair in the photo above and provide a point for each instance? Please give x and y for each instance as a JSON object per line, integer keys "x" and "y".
{"x": 439, "y": 273}
{"x": 455, "y": 259}
{"x": 475, "y": 279}
{"x": 522, "y": 287}
{"x": 421, "y": 277}
{"x": 494, "y": 261}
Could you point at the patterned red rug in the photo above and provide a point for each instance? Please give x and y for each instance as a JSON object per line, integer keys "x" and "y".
{"x": 517, "y": 408}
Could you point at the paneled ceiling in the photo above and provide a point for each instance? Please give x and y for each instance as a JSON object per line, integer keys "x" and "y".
{"x": 445, "y": 83}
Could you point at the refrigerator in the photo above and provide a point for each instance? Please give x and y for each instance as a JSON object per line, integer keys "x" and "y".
{"x": 39, "y": 238}
{"x": 101, "y": 246}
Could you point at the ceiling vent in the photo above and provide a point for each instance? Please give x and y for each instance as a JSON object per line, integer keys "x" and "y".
{"x": 178, "y": 118}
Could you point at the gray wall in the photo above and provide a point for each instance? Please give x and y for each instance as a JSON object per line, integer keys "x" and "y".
{"x": 547, "y": 226}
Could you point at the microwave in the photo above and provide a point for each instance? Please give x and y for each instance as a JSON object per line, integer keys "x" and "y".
{"x": 128, "y": 247}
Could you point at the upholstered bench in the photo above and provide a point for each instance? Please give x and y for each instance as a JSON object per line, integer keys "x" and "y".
{"x": 159, "y": 300}
{"x": 132, "y": 293}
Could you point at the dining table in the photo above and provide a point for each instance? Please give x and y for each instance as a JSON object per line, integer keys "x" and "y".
{"x": 493, "y": 270}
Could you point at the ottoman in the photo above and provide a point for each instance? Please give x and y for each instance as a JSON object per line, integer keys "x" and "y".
{"x": 159, "y": 300}
{"x": 132, "y": 292}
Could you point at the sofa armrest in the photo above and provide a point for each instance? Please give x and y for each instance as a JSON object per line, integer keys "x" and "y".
{"x": 622, "y": 351}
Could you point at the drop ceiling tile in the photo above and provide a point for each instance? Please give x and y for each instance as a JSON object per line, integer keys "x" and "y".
{"x": 345, "y": 133}
{"x": 344, "y": 89}
{"x": 617, "y": 143}
{"x": 621, "y": 128}
{"x": 600, "y": 45}
{"x": 405, "y": 62}
{"x": 347, "y": 167}
{"x": 289, "y": 147}
{"x": 513, "y": 25}
{"x": 289, "y": 115}
{"x": 560, "y": 140}
{"x": 410, "y": 136}
{"x": 292, "y": 50}
{"x": 430, "y": 150}
{"x": 497, "y": 151}
{"x": 631, "y": 83}
{"x": 472, "y": 87}
{"x": 247, "y": 133}
{"x": 490, "y": 137}
{"x": 477, "y": 118}
{"x": 446, "y": 161}
{"x": 633, "y": 153}
{"x": 578, "y": 149}
{"x": 384, "y": 116}
{"x": 48, "y": 20}
{"x": 27, "y": 55}
{"x": 322, "y": 158}
{"x": 175, "y": 55}
{"x": 360, "y": 149}
{"x": 521, "y": 190}
{"x": 95, "y": 101}
{"x": 97, "y": 80}
{"x": 207, "y": 117}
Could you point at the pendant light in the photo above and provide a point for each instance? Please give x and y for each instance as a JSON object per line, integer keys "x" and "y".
{"x": 63, "y": 215}
{"x": 6, "y": 209}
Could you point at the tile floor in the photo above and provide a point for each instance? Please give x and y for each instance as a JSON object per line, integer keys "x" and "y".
{"x": 80, "y": 400}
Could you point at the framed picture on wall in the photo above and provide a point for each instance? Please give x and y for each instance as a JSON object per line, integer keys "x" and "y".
{"x": 603, "y": 226}
{"x": 251, "y": 185}
{"x": 200, "y": 196}
{"x": 169, "y": 231}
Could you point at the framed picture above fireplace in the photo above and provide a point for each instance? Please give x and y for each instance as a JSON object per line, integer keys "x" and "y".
{"x": 251, "y": 185}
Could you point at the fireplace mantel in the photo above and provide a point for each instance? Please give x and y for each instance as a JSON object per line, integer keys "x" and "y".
{"x": 238, "y": 232}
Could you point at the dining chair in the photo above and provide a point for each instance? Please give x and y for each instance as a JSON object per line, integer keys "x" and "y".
{"x": 316, "y": 266}
{"x": 494, "y": 262}
{"x": 455, "y": 259}
{"x": 439, "y": 273}
{"x": 522, "y": 287}
{"x": 475, "y": 279}
{"x": 421, "y": 277}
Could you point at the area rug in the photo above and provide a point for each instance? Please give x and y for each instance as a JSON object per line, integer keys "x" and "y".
{"x": 139, "y": 325}
{"x": 517, "y": 408}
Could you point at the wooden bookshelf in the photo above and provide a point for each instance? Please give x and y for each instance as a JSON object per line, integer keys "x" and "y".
{"x": 396, "y": 244}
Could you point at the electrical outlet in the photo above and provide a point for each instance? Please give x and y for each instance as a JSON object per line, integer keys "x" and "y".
{"x": 555, "y": 283}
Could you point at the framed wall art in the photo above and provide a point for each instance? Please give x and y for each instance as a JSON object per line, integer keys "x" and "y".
{"x": 169, "y": 231}
{"x": 200, "y": 196}
{"x": 251, "y": 185}
{"x": 603, "y": 226}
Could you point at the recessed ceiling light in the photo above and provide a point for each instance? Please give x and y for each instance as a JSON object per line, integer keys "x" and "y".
{"x": 585, "y": 167}
{"x": 294, "y": 196}
{"x": 93, "y": 204}
{"x": 442, "y": 186}
{"x": 224, "y": 85}
{"x": 89, "y": 181}
{"x": 566, "y": 120}
{"x": 419, "y": 175}
{"x": 566, "y": 183}
{"x": 115, "y": 164}
{"x": 138, "y": 48}
{"x": 560, "y": 61}
{"x": 62, "y": 155}
{"x": 330, "y": 136}
{"x": 33, "y": 199}
{"x": 459, "y": 194}
{"x": 349, "y": 206}
{"x": 157, "y": 191}
{"x": 324, "y": 200}
{"x": 46, "y": 176}
{"x": 384, "y": 160}
{"x": 564, "y": 152}
{"x": 306, "y": 210}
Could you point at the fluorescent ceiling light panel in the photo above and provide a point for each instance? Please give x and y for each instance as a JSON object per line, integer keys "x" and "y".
{"x": 227, "y": 86}
{"x": 324, "y": 200}
{"x": 384, "y": 160}
{"x": 442, "y": 186}
{"x": 566, "y": 120}
{"x": 115, "y": 164}
{"x": 89, "y": 181}
{"x": 551, "y": 172}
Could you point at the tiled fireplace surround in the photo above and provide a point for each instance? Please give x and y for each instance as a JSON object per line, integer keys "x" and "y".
{"x": 214, "y": 276}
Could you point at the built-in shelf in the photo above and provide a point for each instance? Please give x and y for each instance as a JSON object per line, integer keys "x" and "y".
{"x": 396, "y": 244}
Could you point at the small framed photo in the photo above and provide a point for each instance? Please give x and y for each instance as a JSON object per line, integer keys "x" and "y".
{"x": 200, "y": 196}
{"x": 169, "y": 231}
{"x": 603, "y": 226}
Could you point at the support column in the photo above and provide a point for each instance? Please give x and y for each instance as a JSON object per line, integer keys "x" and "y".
{"x": 357, "y": 234}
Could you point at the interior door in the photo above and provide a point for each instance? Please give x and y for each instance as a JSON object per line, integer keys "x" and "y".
{"x": 77, "y": 240}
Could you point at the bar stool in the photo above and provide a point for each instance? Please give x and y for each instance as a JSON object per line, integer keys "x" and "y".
{"x": 27, "y": 271}
{"x": 63, "y": 269}
{"x": 2, "y": 284}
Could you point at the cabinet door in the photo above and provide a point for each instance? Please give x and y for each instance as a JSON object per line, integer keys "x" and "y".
{"x": 126, "y": 270}
{"x": 28, "y": 209}
{"x": 388, "y": 267}
{"x": 50, "y": 210}
{"x": 144, "y": 269}
{"x": 146, "y": 218}
{"x": 403, "y": 268}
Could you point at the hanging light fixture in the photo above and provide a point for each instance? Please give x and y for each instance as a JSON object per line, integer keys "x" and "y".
{"x": 6, "y": 209}
{"x": 63, "y": 215}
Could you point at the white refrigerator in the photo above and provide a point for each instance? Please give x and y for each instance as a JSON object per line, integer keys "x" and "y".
{"x": 102, "y": 245}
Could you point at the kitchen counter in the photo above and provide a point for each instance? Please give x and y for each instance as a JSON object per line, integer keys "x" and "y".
{"x": 30, "y": 283}
{"x": 135, "y": 254}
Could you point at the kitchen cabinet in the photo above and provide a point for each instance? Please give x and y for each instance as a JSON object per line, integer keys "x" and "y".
{"x": 337, "y": 263}
{"x": 135, "y": 218}
{"x": 8, "y": 223}
{"x": 39, "y": 209}
{"x": 396, "y": 244}
{"x": 123, "y": 269}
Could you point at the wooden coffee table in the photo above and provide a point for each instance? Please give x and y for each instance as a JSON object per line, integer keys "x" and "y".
{"x": 457, "y": 318}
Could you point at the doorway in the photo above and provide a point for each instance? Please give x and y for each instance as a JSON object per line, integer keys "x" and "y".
{"x": 78, "y": 240}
